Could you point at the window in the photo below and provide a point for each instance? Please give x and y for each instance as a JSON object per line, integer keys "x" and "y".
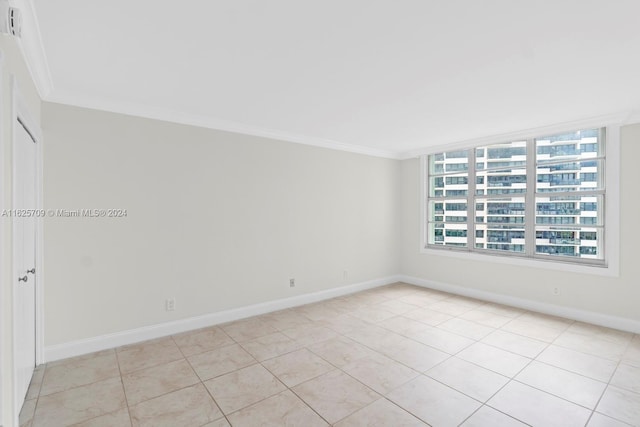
{"x": 538, "y": 198}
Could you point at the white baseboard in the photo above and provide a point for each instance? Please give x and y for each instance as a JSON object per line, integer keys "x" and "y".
{"x": 132, "y": 336}
{"x": 595, "y": 318}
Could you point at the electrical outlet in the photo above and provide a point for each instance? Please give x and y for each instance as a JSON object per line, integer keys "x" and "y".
{"x": 170, "y": 304}
{"x": 345, "y": 274}
{"x": 292, "y": 283}
{"x": 556, "y": 291}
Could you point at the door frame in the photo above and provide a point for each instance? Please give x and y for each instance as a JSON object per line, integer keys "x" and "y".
{"x": 20, "y": 111}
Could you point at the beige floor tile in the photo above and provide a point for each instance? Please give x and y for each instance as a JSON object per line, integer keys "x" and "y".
{"x": 344, "y": 324}
{"x": 592, "y": 345}
{"x": 309, "y": 334}
{"x": 296, "y": 367}
{"x": 600, "y": 332}
{"x": 222, "y": 422}
{"x": 148, "y": 354}
{"x": 335, "y": 395}
{"x": 463, "y": 300}
{"x": 584, "y": 364}
{"x": 202, "y": 340}
{"x": 556, "y": 322}
{"x": 451, "y": 308}
{"x": 286, "y": 319}
{"x": 376, "y": 338}
{"x": 79, "y": 404}
{"x": 495, "y": 359}
{"x": 421, "y": 300}
{"x": 79, "y": 371}
{"x": 503, "y": 310}
{"x": 318, "y": 311}
{"x": 623, "y": 405}
{"x": 372, "y": 314}
{"x": 338, "y": 305}
{"x": 599, "y": 420}
{"x": 446, "y": 341}
{"x": 26, "y": 413}
{"x": 380, "y": 373}
{"x": 466, "y": 328}
{"x": 270, "y": 346}
{"x": 371, "y": 297}
{"x": 381, "y": 413}
{"x": 486, "y": 318}
{"x": 397, "y": 307}
{"x": 532, "y": 330}
{"x": 242, "y": 388}
{"x": 354, "y": 301}
{"x": 397, "y": 290}
{"x": 429, "y": 317}
{"x": 489, "y": 417}
{"x": 472, "y": 380}
{"x": 415, "y": 355}
{"x": 284, "y": 409}
{"x": 538, "y": 408}
{"x": 248, "y": 329}
{"x": 559, "y": 382}
{"x": 36, "y": 382}
{"x": 120, "y": 418}
{"x": 519, "y": 344}
{"x": 147, "y": 383}
{"x": 632, "y": 355}
{"x": 627, "y": 377}
{"x": 220, "y": 361}
{"x": 433, "y": 402}
{"x": 442, "y": 340}
{"x": 340, "y": 351}
{"x": 191, "y": 406}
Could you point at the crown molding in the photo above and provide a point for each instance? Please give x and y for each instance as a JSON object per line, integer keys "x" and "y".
{"x": 155, "y": 113}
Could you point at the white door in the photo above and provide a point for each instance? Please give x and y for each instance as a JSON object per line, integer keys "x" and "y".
{"x": 24, "y": 259}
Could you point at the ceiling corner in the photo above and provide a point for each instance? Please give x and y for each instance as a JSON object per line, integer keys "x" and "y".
{"x": 33, "y": 48}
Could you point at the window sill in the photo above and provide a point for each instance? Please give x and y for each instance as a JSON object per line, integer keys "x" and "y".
{"x": 605, "y": 270}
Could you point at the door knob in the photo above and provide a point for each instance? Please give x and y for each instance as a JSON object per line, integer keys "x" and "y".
{"x": 23, "y": 279}
{"x": 32, "y": 271}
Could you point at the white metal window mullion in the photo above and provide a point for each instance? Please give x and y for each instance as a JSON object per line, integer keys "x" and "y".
{"x": 471, "y": 198}
{"x": 530, "y": 201}
{"x": 602, "y": 184}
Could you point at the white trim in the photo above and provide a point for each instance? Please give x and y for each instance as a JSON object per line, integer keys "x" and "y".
{"x": 103, "y": 342}
{"x": 595, "y": 318}
{"x": 3, "y": 288}
{"x": 612, "y": 200}
{"x": 612, "y": 209}
{"x": 152, "y": 112}
{"x": 21, "y": 111}
{"x": 593, "y": 122}
{"x": 32, "y": 47}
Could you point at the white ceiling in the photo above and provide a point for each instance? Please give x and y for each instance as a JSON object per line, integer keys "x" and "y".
{"x": 385, "y": 77}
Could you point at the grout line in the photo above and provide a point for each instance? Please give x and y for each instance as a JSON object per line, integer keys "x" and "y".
{"x": 124, "y": 390}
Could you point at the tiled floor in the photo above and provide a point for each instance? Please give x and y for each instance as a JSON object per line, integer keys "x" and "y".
{"x": 393, "y": 356}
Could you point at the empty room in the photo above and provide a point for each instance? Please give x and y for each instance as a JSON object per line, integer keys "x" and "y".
{"x": 319, "y": 213}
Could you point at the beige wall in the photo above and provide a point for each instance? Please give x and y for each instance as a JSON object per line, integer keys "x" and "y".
{"x": 216, "y": 220}
{"x": 607, "y": 295}
{"x": 12, "y": 66}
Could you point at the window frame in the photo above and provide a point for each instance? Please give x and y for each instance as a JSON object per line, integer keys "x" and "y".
{"x": 610, "y": 239}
